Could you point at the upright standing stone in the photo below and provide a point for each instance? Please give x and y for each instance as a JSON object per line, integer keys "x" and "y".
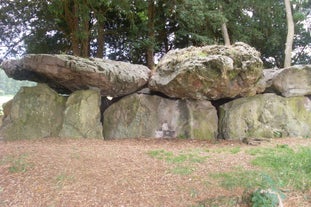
{"x": 140, "y": 115}
{"x": 82, "y": 115}
{"x": 266, "y": 115}
{"x": 35, "y": 112}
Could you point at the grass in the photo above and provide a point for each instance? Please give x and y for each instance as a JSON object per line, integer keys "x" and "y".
{"x": 182, "y": 170}
{"x": 228, "y": 201}
{"x": 291, "y": 168}
{"x": 230, "y": 150}
{"x": 280, "y": 167}
{"x": 62, "y": 178}
{"x": 181, "y": 157}
{"x": 182, "y": 162}
{"x": 17, "y": 163}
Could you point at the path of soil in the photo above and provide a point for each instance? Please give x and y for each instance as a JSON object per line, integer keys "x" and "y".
{"x": 67, "y": 172}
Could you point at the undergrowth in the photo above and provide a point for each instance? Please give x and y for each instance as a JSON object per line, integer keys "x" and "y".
{"x": 279, "y": 168}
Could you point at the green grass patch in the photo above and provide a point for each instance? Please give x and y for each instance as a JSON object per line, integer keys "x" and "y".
{"x": 62, "y": 178}
{"x": 286, "y": 167}
{"x": 280, "y": 167}
{"x": 17, "y": 163}
{"x": 181, "y": 157}
{"x": 234, "y": 179}
{"x": 182, "y": 162}
{"x": 231, "y": 150}
{"x": 291, "y": 168}
{"x": 269, "y": 151}
{"x": 235, "y": 150}
{"x": 182, "y": 170}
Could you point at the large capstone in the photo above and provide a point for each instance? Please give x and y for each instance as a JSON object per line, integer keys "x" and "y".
{"x": 141, "y": 115}
{"x": 210, "y": 72}
{"x": 66, "y": 74}
{"x": 266, "y": 115}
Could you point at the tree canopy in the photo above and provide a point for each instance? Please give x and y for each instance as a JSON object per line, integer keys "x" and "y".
{"x": 143, "y": 30}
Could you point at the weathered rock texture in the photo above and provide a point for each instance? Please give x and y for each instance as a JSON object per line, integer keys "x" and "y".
{"x": 140, "y": 115}
{"x": 266, "y": 115}
{"x": 266, "y": 81}
{"x": 82, "y": 115}
{"x": 210, "y": 72}
{"x": 66, "y": 73}
{"x": 34, "y": 112}
{"x": 37, "y": 112}
{"x": 293, "y": 81}
{"x": 192, "y": 76}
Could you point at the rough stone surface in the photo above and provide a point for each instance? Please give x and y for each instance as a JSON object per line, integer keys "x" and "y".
{"x": 210, "y": 72}
{"x": 82, "y": 115}
{"x": 266, "y": 81}
{"x": 141, "y": 115}
{"x": 266, "y": 115}
{"x": 293, "y": 81}
{"x": 34, "y": 112}
{"x": 66, "y": 73}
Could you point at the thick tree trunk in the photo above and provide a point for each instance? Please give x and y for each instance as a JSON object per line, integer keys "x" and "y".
{"x": 75, "y": 39}
{"x": 71, "y": 16}
{"x": 150, "y": 50}
{"x": 100, "y": 40}
{"x": 85, "y": 39}
{"x": 290, "y": 34}
{"x": 225, "y": 34}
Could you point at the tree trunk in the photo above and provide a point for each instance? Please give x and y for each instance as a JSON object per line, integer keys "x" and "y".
{"x": 100, "y": 39}
{"x": 290, "y": 34}
{"x": 75, "y": 33}
{"x": 150, "y": 50}
{"x": 225, "y": 34}
{"x": 71, "y": 16}
{"x": 224, "y": 30}
{"x": 85, "y": 39}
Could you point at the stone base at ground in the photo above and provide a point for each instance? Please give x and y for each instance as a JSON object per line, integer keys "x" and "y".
{"x": 142, "y": 115}
{"x": 34, "y": 112}
{"x": 82, "y": 115}
{"x": 37, "y": 112}
{"x": 266, "y": 115}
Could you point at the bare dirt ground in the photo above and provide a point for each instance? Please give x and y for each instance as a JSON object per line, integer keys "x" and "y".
{"x": 67, "y": 172}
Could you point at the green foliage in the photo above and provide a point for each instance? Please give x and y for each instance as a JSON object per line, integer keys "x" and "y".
{"x": 50, "y": 27}
{"x": 268, "y": 194}
{"x": 267, "y": 198}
